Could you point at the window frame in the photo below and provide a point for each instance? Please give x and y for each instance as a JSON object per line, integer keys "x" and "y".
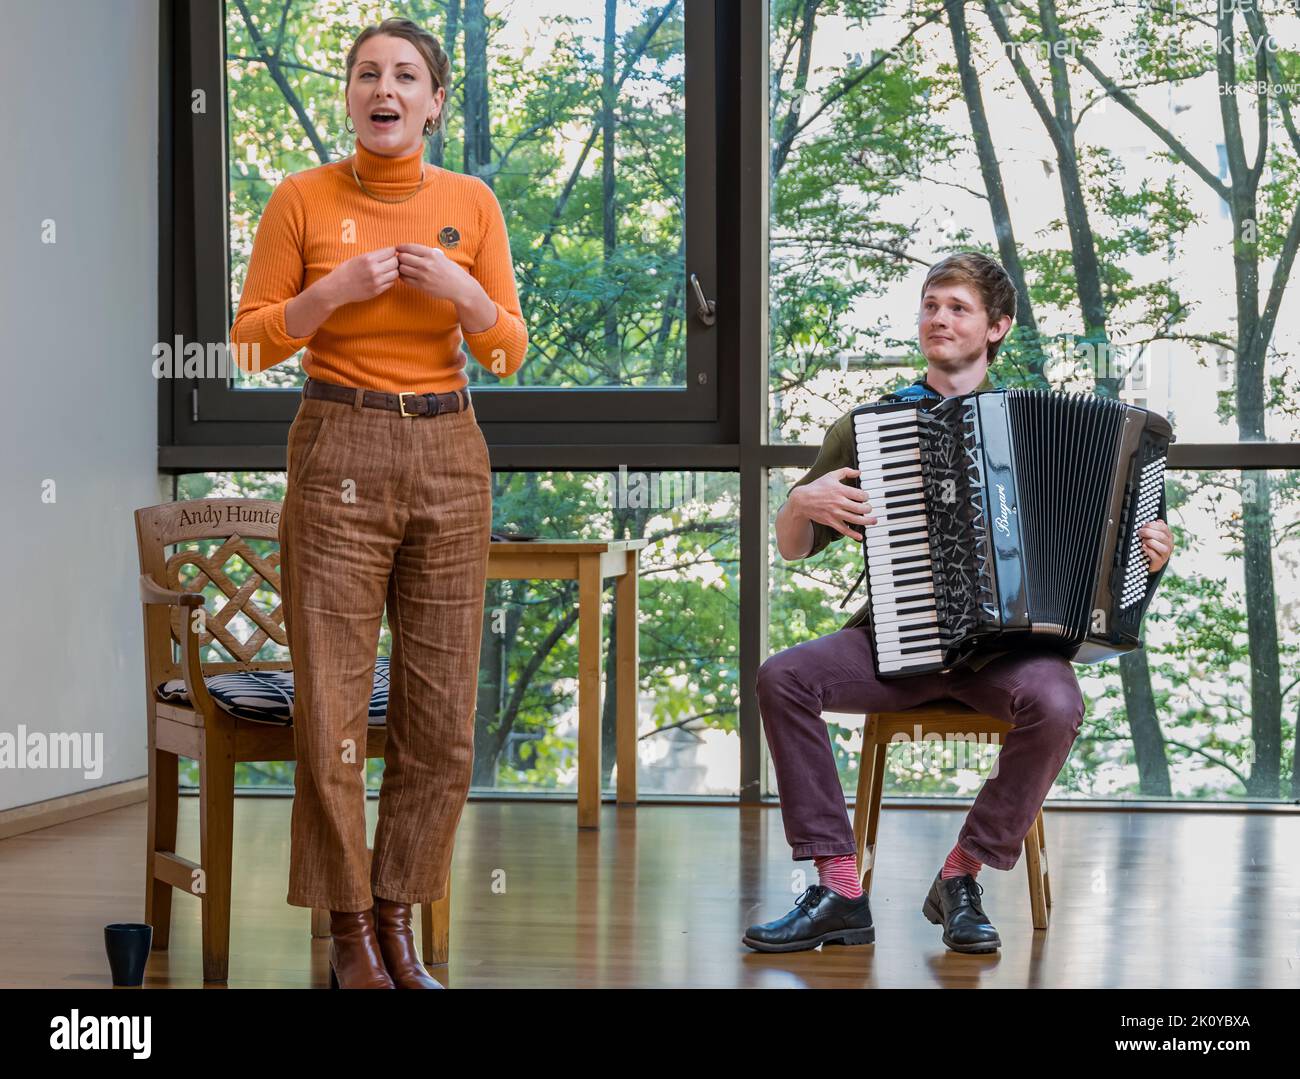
{"x": 207, "y": 420}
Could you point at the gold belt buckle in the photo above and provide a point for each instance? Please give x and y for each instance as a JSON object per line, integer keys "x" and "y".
{"x": 401, "y": 404}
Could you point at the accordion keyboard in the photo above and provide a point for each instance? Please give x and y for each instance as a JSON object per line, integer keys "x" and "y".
{"x": 904, "y": 619}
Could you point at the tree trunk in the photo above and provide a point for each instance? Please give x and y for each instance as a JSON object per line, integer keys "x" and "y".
{"x": 1135, "y": 677}
{"x": 438, "y": 144}
{"x": 613, "y": 358}
{"x": 1256, "y": 513}
{"x": 1148, "y": 739}
{"x": 991, "y": 172}
{"x": 478, "y": 116}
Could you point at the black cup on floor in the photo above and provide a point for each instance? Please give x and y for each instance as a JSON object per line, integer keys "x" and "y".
{"x": 128, "y": 944}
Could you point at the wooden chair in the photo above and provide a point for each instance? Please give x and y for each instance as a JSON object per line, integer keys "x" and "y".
{"x": 943, "y": 718}
{"x": 171, "y": 592}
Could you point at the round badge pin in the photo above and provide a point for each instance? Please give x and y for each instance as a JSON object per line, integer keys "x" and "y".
{"x": 448, "y": 236}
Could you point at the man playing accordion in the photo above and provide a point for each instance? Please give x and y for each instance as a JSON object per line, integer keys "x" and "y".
{"x": 968, "y": 304}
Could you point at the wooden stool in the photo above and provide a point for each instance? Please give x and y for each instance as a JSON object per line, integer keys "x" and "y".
{"x": 942, "y": 718}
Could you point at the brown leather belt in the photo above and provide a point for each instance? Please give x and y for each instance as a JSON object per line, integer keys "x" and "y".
{"x": 408, "y": 404}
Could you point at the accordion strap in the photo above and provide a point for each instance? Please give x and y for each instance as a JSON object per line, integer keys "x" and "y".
{"x": 855, "y": 586}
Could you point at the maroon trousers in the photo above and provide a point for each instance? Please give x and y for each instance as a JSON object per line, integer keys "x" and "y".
{"x": 1035, "y": 690}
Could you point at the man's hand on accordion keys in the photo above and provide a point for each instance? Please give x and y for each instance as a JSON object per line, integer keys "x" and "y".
{"x": 830, "y": 501}
{"x": 1158, "y": 543}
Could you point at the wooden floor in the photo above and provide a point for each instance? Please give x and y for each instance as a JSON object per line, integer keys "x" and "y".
{"x": 660, "y": 896}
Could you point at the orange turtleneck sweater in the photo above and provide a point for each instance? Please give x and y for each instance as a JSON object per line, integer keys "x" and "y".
{"x": 402, "y": 339}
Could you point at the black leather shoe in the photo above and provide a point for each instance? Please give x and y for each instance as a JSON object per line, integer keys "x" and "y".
{"x": 820, "y": 916}
{"x": 954, "y": 902}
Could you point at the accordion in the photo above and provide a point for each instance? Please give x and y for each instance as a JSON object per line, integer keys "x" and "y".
{"x": 1004, "y": 518}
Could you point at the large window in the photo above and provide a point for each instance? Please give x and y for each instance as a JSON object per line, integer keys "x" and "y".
{"x": 526, "y": 731}
{"x": 1152, "y": 243}
{"x": 1208, "y": 730}
{"x": 805, "y": 163}
{"x": 1118, "y": 216}
{"x": 575, "y": 115}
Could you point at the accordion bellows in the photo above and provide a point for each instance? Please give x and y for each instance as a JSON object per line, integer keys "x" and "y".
{"x": 1007, "y": 518}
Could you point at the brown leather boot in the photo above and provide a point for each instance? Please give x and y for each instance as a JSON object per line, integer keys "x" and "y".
{"x": 397, "y": 944}
{"x": 355, "y": 959}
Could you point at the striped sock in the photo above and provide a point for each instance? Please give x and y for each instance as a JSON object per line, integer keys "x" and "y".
{"x": 959, "y": 862}
{"x": 839, "y": 873}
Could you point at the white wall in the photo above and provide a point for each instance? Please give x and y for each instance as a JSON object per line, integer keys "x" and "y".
{"x": 78, "y": 403}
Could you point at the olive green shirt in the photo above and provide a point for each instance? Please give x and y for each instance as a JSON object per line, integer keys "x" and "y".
{"x": 837, "y": 452}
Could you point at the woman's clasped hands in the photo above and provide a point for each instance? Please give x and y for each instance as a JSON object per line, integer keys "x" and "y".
{"x": 431, "y": 271}
{"x": 365, "y": 276}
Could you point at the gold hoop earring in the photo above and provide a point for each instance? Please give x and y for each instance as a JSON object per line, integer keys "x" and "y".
{"x": 350, "y": 130}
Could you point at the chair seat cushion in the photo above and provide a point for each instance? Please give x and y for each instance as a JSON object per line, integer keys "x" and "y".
{"x": 267, "y": 696}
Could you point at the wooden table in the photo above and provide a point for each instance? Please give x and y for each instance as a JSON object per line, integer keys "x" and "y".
{"x": 589, "y": 562}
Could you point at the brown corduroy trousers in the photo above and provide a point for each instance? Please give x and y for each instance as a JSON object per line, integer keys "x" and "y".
{"x": 382, "y": 509}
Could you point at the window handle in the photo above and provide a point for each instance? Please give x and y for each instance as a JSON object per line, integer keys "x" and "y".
{"x": 706, "y": 309}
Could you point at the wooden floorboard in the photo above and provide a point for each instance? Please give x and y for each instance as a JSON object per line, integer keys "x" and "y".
{"x": 660, "y": 896}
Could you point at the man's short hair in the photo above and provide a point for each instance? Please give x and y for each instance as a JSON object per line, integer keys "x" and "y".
{"x": 986, "y": 276}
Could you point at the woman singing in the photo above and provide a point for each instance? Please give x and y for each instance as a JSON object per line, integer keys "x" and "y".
{"x": 382, "y": 264}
